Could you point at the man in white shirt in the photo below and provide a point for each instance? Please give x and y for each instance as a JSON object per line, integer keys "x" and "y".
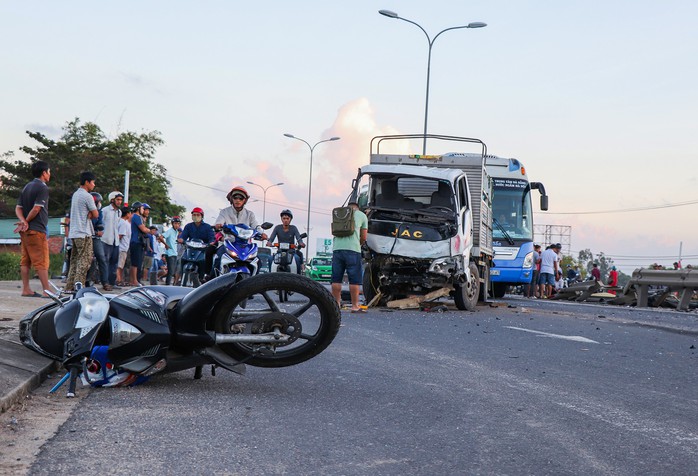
{"x": 124, "y": 243}
{"x": 111, "y": 217}
{"x": 549, "y": 270}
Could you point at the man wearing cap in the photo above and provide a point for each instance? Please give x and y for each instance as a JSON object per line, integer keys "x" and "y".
{"x": 111, "y": 217}
{"x": 170, "y": 237}
{"x": 346, "y": 256}
{"x": 139, "y": 236}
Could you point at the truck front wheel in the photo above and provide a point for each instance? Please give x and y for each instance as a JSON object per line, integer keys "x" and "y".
{"x": 467, "y": 293}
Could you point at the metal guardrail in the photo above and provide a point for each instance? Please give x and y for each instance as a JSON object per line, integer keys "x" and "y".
{"x": 681, "y": 281}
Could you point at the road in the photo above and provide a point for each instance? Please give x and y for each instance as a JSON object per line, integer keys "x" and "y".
{"x": 522, "y": 388}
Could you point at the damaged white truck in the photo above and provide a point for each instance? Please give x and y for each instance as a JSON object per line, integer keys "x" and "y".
{"x": 429, "y": 221}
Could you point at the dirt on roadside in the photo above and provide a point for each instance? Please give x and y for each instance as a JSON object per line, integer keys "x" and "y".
{"x": 30, "y": 423}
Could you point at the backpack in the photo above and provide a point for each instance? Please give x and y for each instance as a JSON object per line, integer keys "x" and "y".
{"x": 343, "y": 221}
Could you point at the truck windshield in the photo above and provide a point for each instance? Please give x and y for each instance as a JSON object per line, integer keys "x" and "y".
{"x": 511, "y": 207}
{"x": 411, "y": 193}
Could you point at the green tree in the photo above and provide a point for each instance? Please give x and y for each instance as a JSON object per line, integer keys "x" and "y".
{"x": 86, "y": 147}
{"x": 587, "y": 259}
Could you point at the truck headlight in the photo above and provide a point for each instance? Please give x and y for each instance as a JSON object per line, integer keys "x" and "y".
{"x": 443, "y": 266}
{"x": 528, "y": 260}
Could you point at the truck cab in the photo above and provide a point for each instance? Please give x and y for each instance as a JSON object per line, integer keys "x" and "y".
{"x": 425, "y": 225}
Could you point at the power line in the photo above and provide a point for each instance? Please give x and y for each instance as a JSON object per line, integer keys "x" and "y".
{"x": 317, "y": 212}
{"x": 624, "y": 210}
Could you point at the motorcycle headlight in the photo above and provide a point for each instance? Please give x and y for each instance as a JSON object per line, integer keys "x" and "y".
{"x": 93, "y": 311}
{"x": 528, "y": 260}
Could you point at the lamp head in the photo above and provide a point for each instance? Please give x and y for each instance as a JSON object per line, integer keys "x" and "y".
{"x": 477, "y": 24}
{"x": 388, "y": 13}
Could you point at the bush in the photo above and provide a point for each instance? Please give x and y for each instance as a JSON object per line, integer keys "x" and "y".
{"x": 9, "y": 266}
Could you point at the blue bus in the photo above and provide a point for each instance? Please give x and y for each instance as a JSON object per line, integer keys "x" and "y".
{"x": 512, "y": 223}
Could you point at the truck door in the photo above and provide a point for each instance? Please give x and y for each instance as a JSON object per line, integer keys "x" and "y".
{"x": 464, "y": 227}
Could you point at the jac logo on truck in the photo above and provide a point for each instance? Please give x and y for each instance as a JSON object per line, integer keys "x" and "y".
{"x": 406, "y": 233}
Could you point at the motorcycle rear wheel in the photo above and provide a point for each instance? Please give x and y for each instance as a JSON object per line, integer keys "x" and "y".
{"x": 313, "y": 307}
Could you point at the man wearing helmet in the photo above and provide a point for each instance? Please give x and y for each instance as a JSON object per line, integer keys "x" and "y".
{"x": 235, "y": 214}
{"x": 111, "y": 217}
{"x": 199, "y": 230}
{"x": 287, "y": 233}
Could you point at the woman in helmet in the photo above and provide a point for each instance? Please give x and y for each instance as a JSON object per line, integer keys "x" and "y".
{"x": 287, "y": 233}
{"x": 200, "y": 230}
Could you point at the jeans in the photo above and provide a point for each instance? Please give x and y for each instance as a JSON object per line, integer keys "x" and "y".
{"x": 98, "y": 249}
{"x": 111, "y": 254}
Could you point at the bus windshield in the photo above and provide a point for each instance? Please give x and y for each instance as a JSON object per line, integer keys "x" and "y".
{"x": 511, "y": 208}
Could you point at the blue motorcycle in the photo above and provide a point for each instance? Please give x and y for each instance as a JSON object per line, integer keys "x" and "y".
{"x": 238, "y": 252}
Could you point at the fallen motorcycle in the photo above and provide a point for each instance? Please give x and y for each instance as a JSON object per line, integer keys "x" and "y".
{"x": 119, "y": 340}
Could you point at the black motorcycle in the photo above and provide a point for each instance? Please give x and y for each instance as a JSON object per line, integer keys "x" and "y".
{"x": 123, "y": 339}
{"x": 284, "y": 258}
{"x": 193, "y": 263}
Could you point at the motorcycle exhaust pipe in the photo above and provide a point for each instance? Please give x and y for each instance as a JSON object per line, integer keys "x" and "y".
{"x": 251, "y": 339}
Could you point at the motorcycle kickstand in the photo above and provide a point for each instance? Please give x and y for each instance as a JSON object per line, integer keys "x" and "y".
{"x": 198, "y": 372}
{"x": 73, "y": 381}
{"x": 213, "y": 370}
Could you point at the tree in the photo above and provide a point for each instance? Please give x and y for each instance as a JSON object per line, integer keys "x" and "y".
{"x": 86, "y": 147}
{"x": 586, "y": 260}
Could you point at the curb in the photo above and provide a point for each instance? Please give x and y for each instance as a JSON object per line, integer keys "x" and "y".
{"x": 22, "y": 372}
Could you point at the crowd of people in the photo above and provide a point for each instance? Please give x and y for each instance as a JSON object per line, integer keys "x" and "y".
{"x": 115, "y": 246}
{"x": 548, "y": 277}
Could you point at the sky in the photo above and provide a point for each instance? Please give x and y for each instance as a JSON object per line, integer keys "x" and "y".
{"x": 597, "y": 99}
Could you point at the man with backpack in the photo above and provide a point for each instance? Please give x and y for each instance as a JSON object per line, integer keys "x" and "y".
{"x": 346, "y": 251}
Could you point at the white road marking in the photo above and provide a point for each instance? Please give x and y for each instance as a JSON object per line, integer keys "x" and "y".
{"x": 556, "y": 336}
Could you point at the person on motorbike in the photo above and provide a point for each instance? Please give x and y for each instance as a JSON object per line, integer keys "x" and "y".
{"x": 235, "y": 214}
{"x": 200, "y": 230}
{"x": 287, "y": 233}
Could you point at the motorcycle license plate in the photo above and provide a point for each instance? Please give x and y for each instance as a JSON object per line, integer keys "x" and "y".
{"x": 284, "y": 246}
{"x": 494, "y": 272}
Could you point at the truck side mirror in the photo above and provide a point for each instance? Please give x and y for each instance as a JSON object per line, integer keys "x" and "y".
{"x": 544, "y": 202}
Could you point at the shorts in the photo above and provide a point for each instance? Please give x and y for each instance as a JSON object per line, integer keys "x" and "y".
{"x": 546, "y": 278}
{"x": 148, "y": 262}
{"x": 136, "y": 250}
{"x": 349, "y": 261}
{"x": 34, "y": 250}
{"x": 122, "y": 259}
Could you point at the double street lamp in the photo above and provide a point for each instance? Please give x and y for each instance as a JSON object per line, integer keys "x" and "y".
{"x": 264, "y": 189}
{"x": 310, "y": 180}
{"x": 431, "y": 41}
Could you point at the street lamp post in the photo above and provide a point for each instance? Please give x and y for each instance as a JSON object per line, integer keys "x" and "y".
{"x": 310, "y": 182}
{"x": 264, "y": 189}
{"x": 431, "y": 41}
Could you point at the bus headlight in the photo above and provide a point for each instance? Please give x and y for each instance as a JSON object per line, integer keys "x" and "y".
{"x": 528, "y": 260}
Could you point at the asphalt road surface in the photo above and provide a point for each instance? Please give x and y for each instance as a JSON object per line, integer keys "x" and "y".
{"x": 506, "y": 390}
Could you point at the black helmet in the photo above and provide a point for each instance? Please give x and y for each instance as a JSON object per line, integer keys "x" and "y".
{"x": 176, "y": 220}
{"x": 136, "y": 206}
{"x": 96, "y": 196}
{"x": 286, "y": 212}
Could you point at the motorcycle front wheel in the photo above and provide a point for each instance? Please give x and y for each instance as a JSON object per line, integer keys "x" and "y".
{"x": 312, "y": 319}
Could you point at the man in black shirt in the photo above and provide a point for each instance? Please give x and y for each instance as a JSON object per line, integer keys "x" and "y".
{"x": 32, "y": 213}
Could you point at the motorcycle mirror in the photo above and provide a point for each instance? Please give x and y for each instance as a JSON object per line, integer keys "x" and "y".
{"x": 304, "y": 236}
{"x": 266, "y": 225}
{"x": 54, "y": 296}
